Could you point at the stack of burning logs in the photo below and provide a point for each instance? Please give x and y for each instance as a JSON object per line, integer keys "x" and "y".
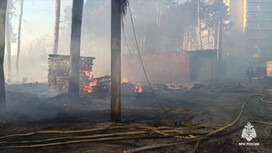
{"x": 59, "y": 69}
{"x": 58, "y": 79}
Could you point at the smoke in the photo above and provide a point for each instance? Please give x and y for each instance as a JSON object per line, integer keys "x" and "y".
{"x": 34, "y": 60}
{"x": 160, "y": 26}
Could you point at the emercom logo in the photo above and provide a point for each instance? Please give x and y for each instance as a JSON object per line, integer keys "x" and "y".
{"x": 249, "y": 133}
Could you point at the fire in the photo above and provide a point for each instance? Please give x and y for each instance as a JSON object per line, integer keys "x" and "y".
{"x": 124, "y": 80}
{"x": 89, "y": 75}
{"x": 93, "y": 82}
{"x": 65, "y": 84}
{"x": 90, "y": 88}
{"x": 138, "y": 89}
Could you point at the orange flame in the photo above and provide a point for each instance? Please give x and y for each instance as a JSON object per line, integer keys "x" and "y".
{"x": 138, "y": 89}
{"x": 124, "y": 80}
{"x": 93, "y": 82}
{"x": 89, "y": 75}
{"x": 90, "y": 88}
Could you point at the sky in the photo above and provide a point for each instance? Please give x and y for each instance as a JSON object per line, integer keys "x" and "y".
{"x": 38, "y": 20}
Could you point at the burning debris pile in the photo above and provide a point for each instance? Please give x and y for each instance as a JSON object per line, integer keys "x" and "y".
{"x": 59, "y": 68}
{"x": 58, "y": 76}
{"x": 58, "y": 79}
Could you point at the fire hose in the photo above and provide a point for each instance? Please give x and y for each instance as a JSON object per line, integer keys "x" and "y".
{"x": 146, "y": 131}
{"x": 95, "y": 138}
{"x": 265, "y": 101}
{"x": 213, "y": 132}
{"x": 102, "y": 129}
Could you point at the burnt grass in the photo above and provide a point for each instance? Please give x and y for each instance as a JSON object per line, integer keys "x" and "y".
{"x": 33, "y": 107}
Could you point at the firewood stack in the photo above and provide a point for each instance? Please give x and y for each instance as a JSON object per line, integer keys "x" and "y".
{"x": 59, "y": 68}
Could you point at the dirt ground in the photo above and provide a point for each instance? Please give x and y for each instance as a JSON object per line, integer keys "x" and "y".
{"x": 32, "y": 107}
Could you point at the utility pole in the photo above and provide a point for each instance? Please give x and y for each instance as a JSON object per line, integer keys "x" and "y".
{"x": 73, "y": 89}
{"x": 116, "y": 60}
{"x": 57, "y": 23}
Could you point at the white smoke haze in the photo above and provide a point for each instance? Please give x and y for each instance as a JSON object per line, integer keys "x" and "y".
{"x": 95, "y": 39}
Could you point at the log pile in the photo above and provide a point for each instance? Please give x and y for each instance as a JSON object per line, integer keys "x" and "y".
{"x": 59, "y": 69}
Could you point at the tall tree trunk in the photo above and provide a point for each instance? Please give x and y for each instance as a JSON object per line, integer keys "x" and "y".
{"x": 219, "y": 54}
{"x": 220, "y": 47}
{"x": 186, "y": 42}
{"x": 208, "y": 38}
{"x": 8, "y": 23}
{"x": 215, "y": 41}
{"x": 116, "y": 60}
{"x": 19, "y": 41}
{"x": 190, "y": 40}
{"x": 144, "y": 40}
{"x": 159, "y": 16}
{"x": 57, "y": 22}
{"x": 73, "y": 89}
{"x": 199, "y": 26}
{"x": 3, "y": 7}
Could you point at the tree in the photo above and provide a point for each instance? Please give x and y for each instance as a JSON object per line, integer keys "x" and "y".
{"x": 8, "y": 38}
{"x": 19, "y": 40}
{"x": 147, "y": 14}
{"x": 73, "y": 90}
{"x": 57, "y": 22}
{"x": 216, "y": 15}
{"x": 3, "y": 7}
{"x": 199, "y": 26}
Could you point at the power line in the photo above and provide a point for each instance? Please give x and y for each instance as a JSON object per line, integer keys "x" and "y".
{"x": 141, "y": 61}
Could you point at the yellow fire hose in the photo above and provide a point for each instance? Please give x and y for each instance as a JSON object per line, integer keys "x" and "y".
{"x": 96, "y": 138}
{"x": 198, "y": 140}
{"x": 69, "y": 142}
{"x": 147, "y": 131}
{"x": 266, "y": 101}
{"x": 78, "y": 131}
{"x": 162, "y": 131}
{"x": 190, "y": 126}
{"x": 265, "y": 123}
{"x": 235, "y": 121}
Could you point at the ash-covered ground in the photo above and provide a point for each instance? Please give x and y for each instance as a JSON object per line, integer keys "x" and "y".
{"x": 33, "y": 107}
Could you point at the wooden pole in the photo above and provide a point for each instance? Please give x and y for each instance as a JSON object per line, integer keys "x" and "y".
{"x": 73, "y": 89}
{"x": 116, "y": 60}
{"x": 57, "y": 22}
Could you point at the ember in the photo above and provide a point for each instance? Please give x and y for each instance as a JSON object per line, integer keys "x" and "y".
{"x": 90, "y": 88}
{"x": 138, "y": 89}
{"x": 89, "y": 75}
{"x": 124, "y": 80}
